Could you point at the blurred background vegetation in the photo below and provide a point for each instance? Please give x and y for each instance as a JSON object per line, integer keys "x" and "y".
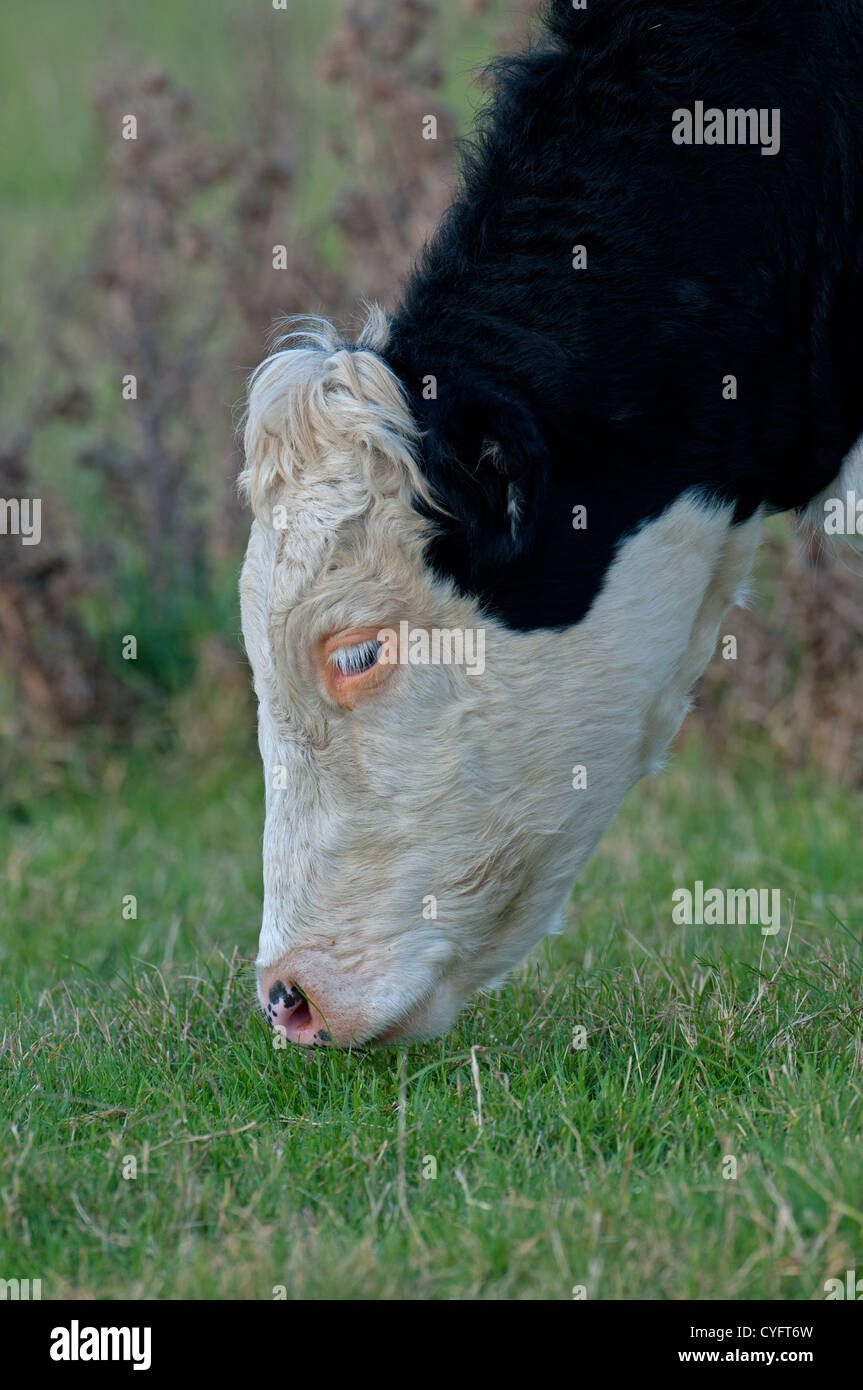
{"x": 154, "y": 257}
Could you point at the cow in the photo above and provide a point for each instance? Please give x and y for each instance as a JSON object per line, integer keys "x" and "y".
{"x": 634, "y": 335}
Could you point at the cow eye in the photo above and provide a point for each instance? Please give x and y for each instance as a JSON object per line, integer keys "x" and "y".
{"x": 352, "y": 664}
{"x": 353, "y": 661}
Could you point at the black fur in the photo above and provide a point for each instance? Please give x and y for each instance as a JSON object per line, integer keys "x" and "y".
{"x": 603, "y": 386}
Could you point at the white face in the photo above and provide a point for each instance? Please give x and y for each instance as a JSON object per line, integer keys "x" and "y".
{"x": 422, "y": 827}
{"x": 402, "y": 868}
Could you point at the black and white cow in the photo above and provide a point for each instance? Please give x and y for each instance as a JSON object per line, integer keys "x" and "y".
{"x": 635, "y": 334}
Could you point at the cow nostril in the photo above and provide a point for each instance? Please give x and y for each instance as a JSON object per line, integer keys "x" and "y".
{"x": 289, "y": 1010}
{"x": 281, "y": 994}
{"x": 301, "y": 1017}
{"x": 287, "y": 1003}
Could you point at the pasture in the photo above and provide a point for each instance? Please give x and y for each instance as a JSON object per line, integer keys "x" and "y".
{"x": 642, "y": 1111}
{"x": 556, "y": 1165}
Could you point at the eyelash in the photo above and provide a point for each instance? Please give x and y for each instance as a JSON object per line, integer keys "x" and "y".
{"x": 353, "y": 661}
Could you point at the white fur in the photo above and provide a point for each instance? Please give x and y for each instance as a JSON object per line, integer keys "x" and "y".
{"x": 441, "y": 783}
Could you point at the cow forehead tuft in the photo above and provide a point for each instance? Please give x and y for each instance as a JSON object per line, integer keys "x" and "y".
{"x": 332, "y": 421}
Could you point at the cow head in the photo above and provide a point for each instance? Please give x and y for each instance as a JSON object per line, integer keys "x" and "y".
{"x": 428, "y": 804}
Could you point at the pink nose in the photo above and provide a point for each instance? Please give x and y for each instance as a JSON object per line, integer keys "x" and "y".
{"x": 292, "y": 1014}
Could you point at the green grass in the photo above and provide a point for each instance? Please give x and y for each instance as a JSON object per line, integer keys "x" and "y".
{"x": 600, "y": 1166}
{"x": 138, "y": 1039}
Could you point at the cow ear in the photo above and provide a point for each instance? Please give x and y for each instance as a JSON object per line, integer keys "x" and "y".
{"x": 487, "y": 462}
